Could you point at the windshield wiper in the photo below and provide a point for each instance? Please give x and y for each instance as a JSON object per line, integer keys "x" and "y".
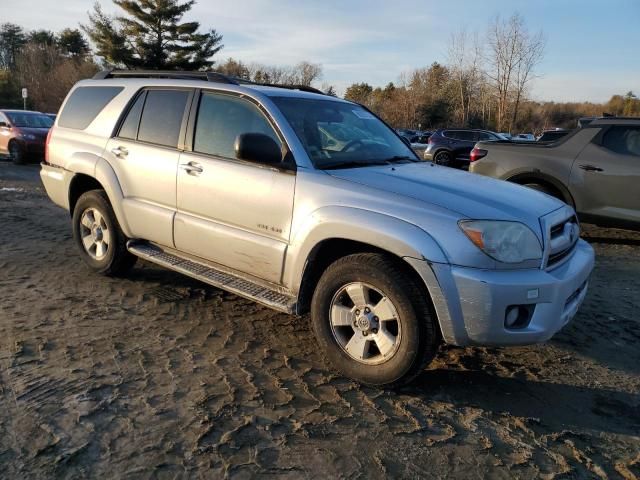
{"x": 352, "y": 163}
{"x": 399, "y": 159}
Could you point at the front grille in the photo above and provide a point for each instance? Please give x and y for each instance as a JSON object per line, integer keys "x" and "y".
{"x": 563, "y": 238}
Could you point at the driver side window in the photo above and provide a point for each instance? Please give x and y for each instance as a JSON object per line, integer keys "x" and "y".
{"x": 221, "y": 118}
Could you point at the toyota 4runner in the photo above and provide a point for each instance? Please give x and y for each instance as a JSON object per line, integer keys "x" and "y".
{"x": 308, "y": 203}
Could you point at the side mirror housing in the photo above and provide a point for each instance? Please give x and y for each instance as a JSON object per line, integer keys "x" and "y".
{"x": 4, "y": 125}
{"x": 258, "y": 148}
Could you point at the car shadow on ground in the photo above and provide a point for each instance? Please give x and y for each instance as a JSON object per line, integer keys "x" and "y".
{"x": 635, "y": 242}
{"x": 552, "y": 405}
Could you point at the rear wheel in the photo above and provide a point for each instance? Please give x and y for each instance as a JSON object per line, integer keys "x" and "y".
{"x": 373, "y": 320}
{"x": 98, "y": 235}
{"x": 443, "y": 158}
{"x": 16, "y": 152}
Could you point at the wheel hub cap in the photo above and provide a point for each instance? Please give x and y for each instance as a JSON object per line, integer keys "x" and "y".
{"x": 365, "y": 323}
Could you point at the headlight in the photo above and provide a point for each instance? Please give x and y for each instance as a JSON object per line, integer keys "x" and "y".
{"x": 507, "y": 242}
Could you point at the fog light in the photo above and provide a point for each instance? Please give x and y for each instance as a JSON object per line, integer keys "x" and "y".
{"x": 518, "y": 316}
{"x": 512, "y": 315}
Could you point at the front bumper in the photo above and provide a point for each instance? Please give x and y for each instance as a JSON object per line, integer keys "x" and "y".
{"x": 471, "y": 303}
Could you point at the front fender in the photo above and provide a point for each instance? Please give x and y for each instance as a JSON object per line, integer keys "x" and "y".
{"x": 382, "y": 231}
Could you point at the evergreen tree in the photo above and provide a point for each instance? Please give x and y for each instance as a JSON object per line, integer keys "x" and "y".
{"x": 151, "y": 36}
{"x": 12, "y": 39}
{"x": 72, "y": 42}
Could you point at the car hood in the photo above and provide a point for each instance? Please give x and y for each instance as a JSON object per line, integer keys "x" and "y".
{"x": 471, "y": 196}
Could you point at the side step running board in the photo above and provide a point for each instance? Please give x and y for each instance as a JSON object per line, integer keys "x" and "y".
{"x": 207, "y": 273}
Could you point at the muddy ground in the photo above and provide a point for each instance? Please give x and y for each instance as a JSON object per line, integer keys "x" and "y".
{"x": 158, "y": 376}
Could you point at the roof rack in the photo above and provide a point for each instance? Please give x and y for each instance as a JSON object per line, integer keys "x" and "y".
{"x": 209, "y": 76}
{"x": 185, "y": 75}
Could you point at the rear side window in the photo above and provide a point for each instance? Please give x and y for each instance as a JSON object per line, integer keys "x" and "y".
{"x": 623, "y": 140}
{"x": 162, "y": 117}
{"x": 85, "y": 104}
{"x": 129, "y": 128}
{"x": 466, "y": 136}
{"x": 221, "y": 118}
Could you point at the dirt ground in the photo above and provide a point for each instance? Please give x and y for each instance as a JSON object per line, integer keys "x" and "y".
{"x": 158, "y": 376}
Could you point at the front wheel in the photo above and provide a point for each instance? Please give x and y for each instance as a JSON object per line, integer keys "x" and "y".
{"x": 98, "y": 235}
{"x": 373, "y": 320}
{"x": 16, "y": 152}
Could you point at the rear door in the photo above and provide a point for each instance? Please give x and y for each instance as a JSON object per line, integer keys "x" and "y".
{"x": 606, "y": 174}
{"x": 232, "y": 212}
{"x": 466, "y": 140}
{"x": 144, "y": 155}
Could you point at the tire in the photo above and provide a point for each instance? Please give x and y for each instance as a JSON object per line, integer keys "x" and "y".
{"x": 443, "y": 157}
{"x": 98, "y": 235}
{"x": 545, "y": 189}
{"x": 413, "y": 331}
{"x": 17, "y": 154}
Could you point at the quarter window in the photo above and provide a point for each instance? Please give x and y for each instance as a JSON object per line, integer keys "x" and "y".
{"x": 129, "y": 127}
{"x": 162, "y": 117}
{"x": 623, "y": 140}
{"x": 221, "y": 118}
{"x": 84, "y": 105}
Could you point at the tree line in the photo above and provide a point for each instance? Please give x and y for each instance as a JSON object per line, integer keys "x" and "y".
{"x": 484, "y": 82}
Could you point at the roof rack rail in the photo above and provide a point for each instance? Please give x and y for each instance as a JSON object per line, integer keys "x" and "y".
{"x": 185, "y": 75}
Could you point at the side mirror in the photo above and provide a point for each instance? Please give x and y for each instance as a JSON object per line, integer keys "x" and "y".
{"x": 258, "y": 148}
{"x": 4, "y": 125}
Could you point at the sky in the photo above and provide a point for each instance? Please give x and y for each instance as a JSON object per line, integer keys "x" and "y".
{"x": 592, "y": 47}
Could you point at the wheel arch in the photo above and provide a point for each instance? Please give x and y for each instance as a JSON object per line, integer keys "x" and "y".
{"x": 103, "y": 178}
{"x": 329, "y": 234}
{"x": 546, "y": 180}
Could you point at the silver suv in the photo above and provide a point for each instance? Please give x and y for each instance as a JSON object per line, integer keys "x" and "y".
{"x": 308, "y": 203}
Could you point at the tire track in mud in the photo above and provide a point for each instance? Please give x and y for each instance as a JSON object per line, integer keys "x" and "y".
{"x": 159, "y": 375}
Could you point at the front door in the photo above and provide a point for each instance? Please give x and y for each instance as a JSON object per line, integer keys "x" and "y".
{"x": 144, "y": 156}
{"x": 605, "y": 176}
{"x": 232, "y": 212}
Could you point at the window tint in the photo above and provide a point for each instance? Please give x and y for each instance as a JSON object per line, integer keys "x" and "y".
{"x": 466, "y": 135}
{"x": 451, "y": 134}
{"x": 129, "y": 128}
{"x": 85, "y": 104}
{"x": 221, "y": 118}
{"x": 487, "y": 136}
{"x": 623, "y": 140}
{"x": 162, "y": 117}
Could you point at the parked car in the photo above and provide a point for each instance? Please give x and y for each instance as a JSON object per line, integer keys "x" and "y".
{"x": 552, "y": 135}
{"x": 524, "y": 137}
{"x": 505, "y": 135}
{"x": 234, "y": 185}
{"x": 419, "y": 143}
{"x": 451, "y": 147}
{"x": 595, "y": 169}
{"x": 23, "y": 134}
{"x": 52, "y": 116}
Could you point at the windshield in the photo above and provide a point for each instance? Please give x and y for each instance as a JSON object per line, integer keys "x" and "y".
{"x": 337, "y": 134}
{"x": 33, "y": 120}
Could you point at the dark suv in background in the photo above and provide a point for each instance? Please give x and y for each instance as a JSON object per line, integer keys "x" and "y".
{"x": 452, "y": 147}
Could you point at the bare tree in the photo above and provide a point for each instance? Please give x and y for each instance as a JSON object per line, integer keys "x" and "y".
{"x": 512, "y": 56}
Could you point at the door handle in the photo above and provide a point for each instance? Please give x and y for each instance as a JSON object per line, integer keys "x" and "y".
{"x": 192, "y": 168}
{"x": 591, "y": 168}
{"x": 120, "y": 152}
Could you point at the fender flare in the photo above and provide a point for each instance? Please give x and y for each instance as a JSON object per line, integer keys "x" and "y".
{"x": 391, "y": 234}
{"x": 105, "y": 174}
